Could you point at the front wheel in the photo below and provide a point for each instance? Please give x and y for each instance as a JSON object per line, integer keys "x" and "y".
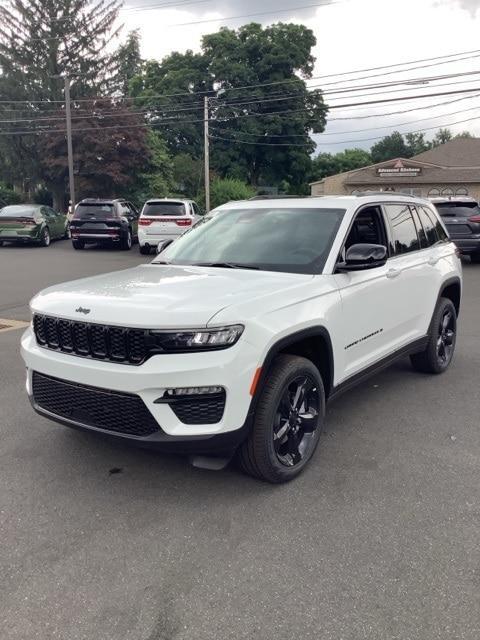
{"x": 78, "y": 244}
{"x": 438, "y": 355}
{"x": 45, "y": 238}
{"x": 475, "y": 258}
{"x": 127, "y": 241}
{"x": 288, "y": 421}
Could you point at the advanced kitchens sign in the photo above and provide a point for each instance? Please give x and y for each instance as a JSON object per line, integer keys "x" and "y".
{"x": 399, "y": 169}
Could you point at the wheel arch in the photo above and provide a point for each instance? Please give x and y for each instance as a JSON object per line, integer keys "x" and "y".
{"x": 314, "y": 344}
{"x": 452, "y": 289}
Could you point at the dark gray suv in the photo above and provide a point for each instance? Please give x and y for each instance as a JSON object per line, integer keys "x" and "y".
{"x": 461, "y": 216}
{"x": 104, "y": 221}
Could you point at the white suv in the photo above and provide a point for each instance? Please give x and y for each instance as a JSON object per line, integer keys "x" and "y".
{"x": 235, "y": 337}
{"x": 165, "y": 219}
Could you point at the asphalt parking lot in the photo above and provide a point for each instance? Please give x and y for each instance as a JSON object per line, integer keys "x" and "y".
{"x": 379, "y": 539}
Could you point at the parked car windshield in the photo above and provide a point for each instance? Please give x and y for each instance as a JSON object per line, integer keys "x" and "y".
{"x": 164, "y": 209}
{"x": 19, "y": 211}
{"x": 272, "y": 239}
{"x": 458, "y": 209}
{"x": 92, "y": 208}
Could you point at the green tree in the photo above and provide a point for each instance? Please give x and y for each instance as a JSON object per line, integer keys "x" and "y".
{"x": 8, "y": 196}
{"x": 129, "y": 61}
{"x": 441, "y": 137}
{"x": 392, "y": 146}
{"x": 262, "y": 146}
{"x": 40, "y": 41}
{"x": 464, "y": 134}
{"x": 224, "y": 190}
{"x": 187, "y": 174}
{"x": 327, "y": 164}
{"x": 157, "y": 180}
{"x": 416, "y": 143}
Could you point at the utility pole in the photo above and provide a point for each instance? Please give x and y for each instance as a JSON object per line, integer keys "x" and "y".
{"x": 207, "y": 157}
{"x": 68, "y": 114}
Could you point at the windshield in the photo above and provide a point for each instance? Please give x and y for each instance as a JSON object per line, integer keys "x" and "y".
{"x": 458, "y": 209}
{"x": 276, "y": 239}
{"x": 99, "y": 209}
{"x": 18, "y": 211}
{"x": 164, "y": 209}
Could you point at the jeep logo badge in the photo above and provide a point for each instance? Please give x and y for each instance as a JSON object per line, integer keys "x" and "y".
{"x": 82, "y": 310}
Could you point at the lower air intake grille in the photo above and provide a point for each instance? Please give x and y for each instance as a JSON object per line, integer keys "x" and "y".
{"x": 200, "y": 410}
{"x": 93, "y": 407}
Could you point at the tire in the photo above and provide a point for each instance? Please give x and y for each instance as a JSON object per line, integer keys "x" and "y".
{"x": 45, "y": 238}
{"x": 475, "y": 258}
{"x": 1, "y": 243}
{"x": 127, "y": 242}
{"x": 265, "y": 455}
{"x": 440, "y": 349}
{"x": 145, "y": 251}
{"x": 78, "y": 244}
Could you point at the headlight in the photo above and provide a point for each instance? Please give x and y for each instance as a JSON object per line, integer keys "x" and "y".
{"x": 201, "y": 340}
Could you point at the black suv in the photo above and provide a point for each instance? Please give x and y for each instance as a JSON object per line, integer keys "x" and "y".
{"x": 104, "y": 221}
{"x": 461, "y": 216}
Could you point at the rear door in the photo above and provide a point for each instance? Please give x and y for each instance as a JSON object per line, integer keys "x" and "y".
{"x": 133, "y": 218}
{"x": 166, "y": 218}
{"x": 413, "y": 277}
{"x": 56, "y": 223}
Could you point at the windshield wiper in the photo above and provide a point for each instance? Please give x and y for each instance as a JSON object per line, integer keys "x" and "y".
{"x": 226, "y": 265}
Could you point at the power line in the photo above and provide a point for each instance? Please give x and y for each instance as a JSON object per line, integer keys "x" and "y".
{"x": 254, "y": 115}
{"x": 258, "y": 85}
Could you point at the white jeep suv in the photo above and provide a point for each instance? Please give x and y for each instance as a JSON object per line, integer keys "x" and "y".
{"x": 234, "y": 338}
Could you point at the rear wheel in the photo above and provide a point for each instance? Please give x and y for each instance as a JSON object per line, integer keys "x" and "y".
{"x": 78, "y": 244}
{"x": 288, "y": 421}
{"x": 475, "y": 258}
{"x": 145, "y": 250}
{"x": 127, "y": 242}
{"x": 441, "y": 344}
{"x": 1, "y": 243}
{"x": 45, "y": 238}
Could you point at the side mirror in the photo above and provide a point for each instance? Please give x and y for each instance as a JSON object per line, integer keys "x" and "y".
{"x": 364, "y": 256}
{"x": 162, "y": 245}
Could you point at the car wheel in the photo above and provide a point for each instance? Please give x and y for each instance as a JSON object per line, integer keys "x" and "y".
{"x": 1, "y": 243}
{"x": 127, "y": 241}
{"x": 45, "y": 237}
{"x": 288, "y": 421}
{"x": 442, "y": 340}
{"x": 78, "y": 244}
{"x": 145, "y": 250}
{"x": 475, "y": 258}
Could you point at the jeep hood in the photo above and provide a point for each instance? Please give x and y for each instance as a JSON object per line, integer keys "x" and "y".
{"x": 161, "y": 296}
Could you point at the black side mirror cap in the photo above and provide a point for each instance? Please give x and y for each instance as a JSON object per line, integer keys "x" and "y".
{"x": 363, "y": 256}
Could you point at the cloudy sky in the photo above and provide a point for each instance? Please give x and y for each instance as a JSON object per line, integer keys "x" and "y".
{"x": 351, "y": 35}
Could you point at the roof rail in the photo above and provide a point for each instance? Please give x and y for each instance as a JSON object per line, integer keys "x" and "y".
{"x": 282, "y": 197}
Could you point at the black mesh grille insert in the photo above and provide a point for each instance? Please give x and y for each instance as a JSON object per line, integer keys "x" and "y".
{"x": 93, "y": 407}
{"x": 199, "y": 409}
{"x": 101, "y": 342}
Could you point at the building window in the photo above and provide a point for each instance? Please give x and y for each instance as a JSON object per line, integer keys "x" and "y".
{"x": 461, "y": 191}
{"x": 448, "y": 191}
{"x": 433, "y": 193}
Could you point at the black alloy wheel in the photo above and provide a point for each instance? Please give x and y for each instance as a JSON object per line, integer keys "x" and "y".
{"x": 296, "y": 421}
{"x": 446, "y": 337}
{"x": 288, "y": 421}
{"x": 438, "y": 355}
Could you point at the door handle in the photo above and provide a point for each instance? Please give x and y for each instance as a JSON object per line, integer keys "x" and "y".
{"x": 393, "y": 273}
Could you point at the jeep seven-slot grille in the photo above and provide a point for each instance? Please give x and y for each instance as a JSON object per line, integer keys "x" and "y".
{"x": 93, "y": 407}
{"x": 101, "y": 342}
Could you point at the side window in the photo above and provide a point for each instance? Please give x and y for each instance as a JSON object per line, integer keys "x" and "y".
{"x": 133, "y": 210}
{"x": 441, "y": 233}
{"x": 124, "y": 209}
{"x": 196, "y": 210}
{"x": 46, "y": 211}
{"x": 420, "y": 228}
{"x": 404, "y": 231}
{"x": 428, "y": 225}
{"x": 367, "y": 228}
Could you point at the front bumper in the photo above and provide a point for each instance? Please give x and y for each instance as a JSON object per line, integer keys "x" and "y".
{"x": 233, "y": 369}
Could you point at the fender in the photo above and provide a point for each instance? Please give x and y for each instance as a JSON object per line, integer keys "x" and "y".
{"x": 277, "y": 347}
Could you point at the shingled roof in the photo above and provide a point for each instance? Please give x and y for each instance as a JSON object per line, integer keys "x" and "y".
{"x": 459, "y": 152}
